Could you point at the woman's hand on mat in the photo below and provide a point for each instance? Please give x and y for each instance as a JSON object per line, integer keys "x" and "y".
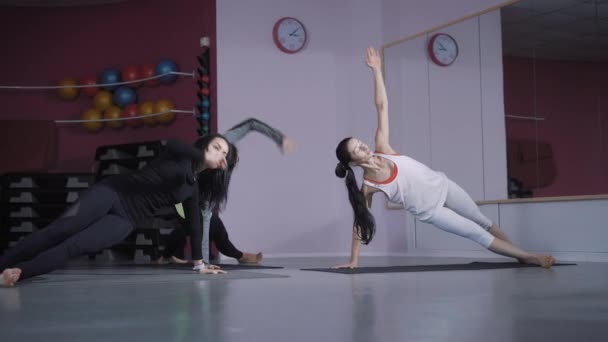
{"x": 349, "y": 265}
{"x": 208, "y": 269}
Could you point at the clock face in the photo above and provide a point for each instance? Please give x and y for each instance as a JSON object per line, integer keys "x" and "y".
{"x": 289, "y": 35}
{"x": 443, "y": 49}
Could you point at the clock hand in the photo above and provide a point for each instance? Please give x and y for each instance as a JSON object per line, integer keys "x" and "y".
{"x": 442, "y": 48}
{"x": 293, "y": 33}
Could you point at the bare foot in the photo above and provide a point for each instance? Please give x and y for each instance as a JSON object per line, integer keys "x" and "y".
{"x": 177, "y": 260}
{"x": 545, "y": 261}
{"x": 250, "y": 258}
{"x": 171, "y": 260}
{"x": 10, "y": 276}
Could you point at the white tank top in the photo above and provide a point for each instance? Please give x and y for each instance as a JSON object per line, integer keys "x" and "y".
{"x": 414, "y": 185}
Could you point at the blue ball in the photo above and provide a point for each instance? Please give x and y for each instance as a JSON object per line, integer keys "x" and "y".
{"x": 110, "y": 76}
{"x": 204, "y": 116}
{"x": 205, "y": 103}
{"x": 166, "y": 66}
{"x": 124, "y": 96}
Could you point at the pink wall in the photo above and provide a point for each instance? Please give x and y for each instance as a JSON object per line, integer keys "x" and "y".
{"x": 43, "y": 45}
{"x": 572, "y": 98}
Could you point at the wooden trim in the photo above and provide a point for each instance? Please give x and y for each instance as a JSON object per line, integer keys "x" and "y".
{"x": 545, "y": 199}
{"x": 399, "y": 41}
{"x": 392, "y": 206}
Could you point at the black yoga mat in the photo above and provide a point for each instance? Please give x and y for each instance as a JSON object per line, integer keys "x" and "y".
{"x": 225, "y": 267}
{"x": 476, "y": 265}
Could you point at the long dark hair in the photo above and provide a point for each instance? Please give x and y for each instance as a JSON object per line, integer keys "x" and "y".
{"x": 213, "y": 183}
{"x": 364, "y": 219}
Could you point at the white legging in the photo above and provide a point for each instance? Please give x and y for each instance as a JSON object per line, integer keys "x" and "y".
{"x": 461, "y": 216}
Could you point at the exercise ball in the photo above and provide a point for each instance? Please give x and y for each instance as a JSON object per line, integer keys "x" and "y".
{"x": 130, "y": 74}
{"x": 92, "y": 114}
{"x": 110, "y": 76}
{"x": 113, "y": 112}
{"x": 130, "y": 111}
{"x": 67, "y": 92}
{"x": 124, "y": 96}
{"x": 164, "y": 106}
{"x": 149, "y": 70}
{"x": 103, "y": 100}
{"x": 147, "y": 108}
{"x": 89, "y": 81}
{"x": 164, "y": 67}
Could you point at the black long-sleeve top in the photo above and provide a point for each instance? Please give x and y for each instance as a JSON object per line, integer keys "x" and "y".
{"x": 166, "y": 181}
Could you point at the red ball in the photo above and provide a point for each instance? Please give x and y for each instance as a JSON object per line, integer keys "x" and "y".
{"x": 129, "y": 74}
{"x": 205, "y": 91}
{"x": 130, "y": 111}
{"x": 205, "y": 79}
{"x": 89, "y": 80}
{"x": 149, "y": 70}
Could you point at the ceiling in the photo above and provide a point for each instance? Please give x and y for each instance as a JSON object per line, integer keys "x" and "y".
{"x": 556, "y": 29}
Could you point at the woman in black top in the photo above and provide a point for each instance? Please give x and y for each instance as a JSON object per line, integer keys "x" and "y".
{"x": 107, "y": 212}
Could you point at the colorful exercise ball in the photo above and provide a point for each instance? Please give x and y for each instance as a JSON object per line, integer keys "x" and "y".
{"x": 166, "y": 66}
{"x": 92, "y": 114}
{"x": 131, "y": 111}
{"x": 103, "y": 100}
{"x": 113, "y": 112}
{"x": 164, "y": 106}
{"x": 124, "y": 96}
{"x": 147, "y": 71}
{"x": 130, "y": 74}
{"x": 108, "y": 76}
{"x": 204, "y": 91}
{"x": 68, "y": 91}
{"x": 147, "y": 108}
{"x": 89, "y": 81}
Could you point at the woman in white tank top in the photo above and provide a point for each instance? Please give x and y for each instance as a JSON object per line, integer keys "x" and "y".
{"x": 426, "y": 193}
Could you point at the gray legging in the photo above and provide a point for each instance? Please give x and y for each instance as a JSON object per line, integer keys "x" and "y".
{"x": 461, "y": 216}
{"x": 96, "y": 221}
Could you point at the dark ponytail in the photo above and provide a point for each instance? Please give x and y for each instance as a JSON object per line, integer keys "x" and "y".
{"x": 364, "y": 219}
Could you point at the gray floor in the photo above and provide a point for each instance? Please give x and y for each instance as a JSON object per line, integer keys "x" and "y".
{"x": 150, "y": 304}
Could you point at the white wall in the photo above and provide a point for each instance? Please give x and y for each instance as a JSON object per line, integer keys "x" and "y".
{"x": 570, "y": 230}
{"x": 450, "y": 118}
{"x": 294, "y": 205}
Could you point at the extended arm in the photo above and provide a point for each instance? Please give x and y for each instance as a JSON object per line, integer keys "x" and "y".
{"x": 381, "y": 102}
{"x": 356, "y": 240}
{"x": 239, "y": 131}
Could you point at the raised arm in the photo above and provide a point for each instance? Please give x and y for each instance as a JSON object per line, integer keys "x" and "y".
{"x": 239, "y": 131}
{"x": 374, "y": 62}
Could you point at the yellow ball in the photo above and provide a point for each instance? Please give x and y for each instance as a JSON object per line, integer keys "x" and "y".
{"x": 147, "y": 108}
{"x": 69, "y": 92}
{"x": 92, "y": 114}
{"x": 113, "y": 112}
{"x": 103, "y": 100}
{"x": 164, "y": 106}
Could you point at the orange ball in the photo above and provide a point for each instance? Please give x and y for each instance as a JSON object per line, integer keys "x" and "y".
{"x": 103, "y": 100}
{"x": 92, "y": 114}
{"x": 147, "y": 108}
{"x": 113, "y": 112}
{"x": 69, "y": 92}
{"x": 164, "y": 106}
